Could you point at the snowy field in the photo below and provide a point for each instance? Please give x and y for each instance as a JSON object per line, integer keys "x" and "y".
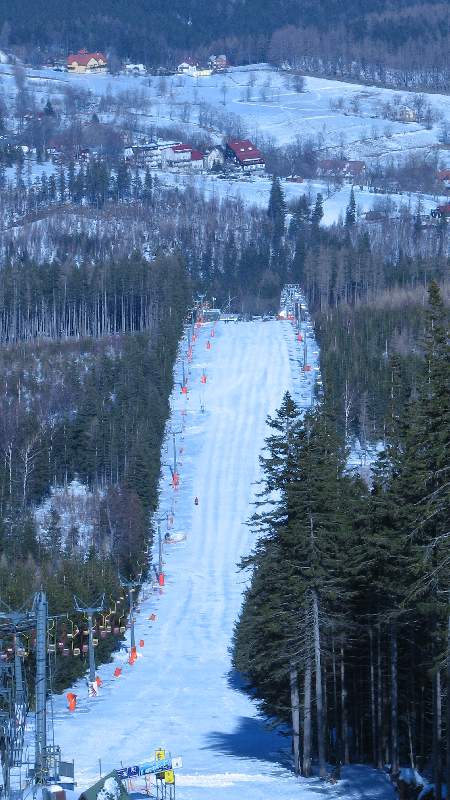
{"x": 255, "y": 191}
{"x": 181, "y": 693}
{"x": 270, "y": 107}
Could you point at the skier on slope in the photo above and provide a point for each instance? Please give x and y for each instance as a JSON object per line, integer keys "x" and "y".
{"x": 196, "y": 501}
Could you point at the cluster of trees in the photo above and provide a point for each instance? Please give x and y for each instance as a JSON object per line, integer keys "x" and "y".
{"x": 376, "y": 40}
{"x": 378, "y": 45}
{"x": 84, "y": 399}
{"x": 344, "y": 632}
{"x": 46, "y": 301}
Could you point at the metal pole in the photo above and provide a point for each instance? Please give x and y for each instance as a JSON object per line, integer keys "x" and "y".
{"x": 130, "y": 597}
{"x": 91, "y": 648}
{"x": 174, "y": 453}
{"x": 160, "y": 560}
{"x": 41, "y": 686}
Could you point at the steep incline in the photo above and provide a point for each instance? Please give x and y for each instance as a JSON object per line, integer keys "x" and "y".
{"x": 180, "y": 693}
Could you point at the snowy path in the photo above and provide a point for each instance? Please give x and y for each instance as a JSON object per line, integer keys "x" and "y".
{"x": 180, "y": 693}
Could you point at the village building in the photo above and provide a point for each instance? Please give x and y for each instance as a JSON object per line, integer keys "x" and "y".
{"x": 147, "y": 154}
{"x": 192, "y": 68}
{"x": 187, "y": 65}
{"x": 407, "y": 114}
{"x": 342, "y": 169}
{"x": 245, "y": 154}
{"x": 443, "y": 177}
{"x": 218, "y": 63}
{"x": 83, "y": 62}
{"x": 135, "y": 69}
{"x": 181, "y": 156}
{"x": 215, "y": 158}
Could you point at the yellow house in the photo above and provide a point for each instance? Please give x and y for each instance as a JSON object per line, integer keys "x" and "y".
{"x": 86, "y": 62}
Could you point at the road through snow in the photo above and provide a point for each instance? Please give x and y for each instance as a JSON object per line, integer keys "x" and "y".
{"x": 180, "y": 694}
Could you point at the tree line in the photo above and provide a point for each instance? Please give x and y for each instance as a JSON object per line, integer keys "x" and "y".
{"x": 89, "y": 404}
{"x": 344, "y": 633}
{"x": 376, "y": 40}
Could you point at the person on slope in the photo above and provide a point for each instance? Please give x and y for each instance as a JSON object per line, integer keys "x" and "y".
{"x": 196, "y": 501}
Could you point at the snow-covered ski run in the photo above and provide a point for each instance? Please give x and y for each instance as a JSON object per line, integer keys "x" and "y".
{"x": 180, "y": 694}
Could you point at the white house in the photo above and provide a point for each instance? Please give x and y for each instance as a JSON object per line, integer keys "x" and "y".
{"x": 135, "y": 69}
{"x": 215, "y": 158}
{"x": 182, "y": 156}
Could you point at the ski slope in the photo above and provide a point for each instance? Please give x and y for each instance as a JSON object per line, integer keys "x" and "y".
{"x": 181, "y": 693}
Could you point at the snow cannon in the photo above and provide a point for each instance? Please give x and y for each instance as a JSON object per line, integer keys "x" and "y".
{"x": 141, "y": 643}
{"x": 184, "y": 390}
{"x": 175, "y": 480}
{"x": 98, "y": 681}
{"x": 203, "y": 378}
{"x": 118, "y": 672}
{"x": 71, "y": 701}
{"x": 299, "y": 337}
{"x": 213, "y": 333}
{"x": 161, "y": 578}
{"x": 208, "y": 345}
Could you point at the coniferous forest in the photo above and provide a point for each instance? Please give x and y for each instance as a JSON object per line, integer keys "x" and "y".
{"x": 86, "y": 371}
{"x": 344, "y": 633}
{"x": 376, "y": 40}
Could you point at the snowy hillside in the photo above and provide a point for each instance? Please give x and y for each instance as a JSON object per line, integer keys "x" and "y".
{"x": 180, "y": 694}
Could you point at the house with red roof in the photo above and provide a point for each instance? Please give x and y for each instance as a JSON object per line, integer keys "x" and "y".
{"x": 182, "y": 155}
{"x": 342, "y": 169}
{"x": 443, "y": 177}
{"x": 83, "y": 62}
{"x": 245, "y": 154}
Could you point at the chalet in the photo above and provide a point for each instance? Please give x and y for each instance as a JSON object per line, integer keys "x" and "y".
{"x": 147, "y": 154}
{"x": 182, "y": 155}
{"x": 215, "y": 158}
{"x": 186, "y": 66}
{"x": 443, "y": 177}
{"x": 245, "y": 154}
{"x": 83, "y": 62}
{"x": 135, "y": 69}
{"x": 218, "y": 63}
{"x": 192, "y": 68}
{"x": 339, "y": 168}
{"x": 407, "y": 114}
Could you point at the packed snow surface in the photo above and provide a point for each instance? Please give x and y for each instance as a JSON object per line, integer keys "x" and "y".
{"x": 181, "y": 694}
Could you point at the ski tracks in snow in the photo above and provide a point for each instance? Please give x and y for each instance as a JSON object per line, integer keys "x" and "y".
{"x": 180, "y": 694}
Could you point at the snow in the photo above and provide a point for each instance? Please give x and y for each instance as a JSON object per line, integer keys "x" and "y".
{"x": 255, "y": 191}
{"x": 76, "y": 507}
{"x": 274, "y": 111}
{"x": 181, "y": 694}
